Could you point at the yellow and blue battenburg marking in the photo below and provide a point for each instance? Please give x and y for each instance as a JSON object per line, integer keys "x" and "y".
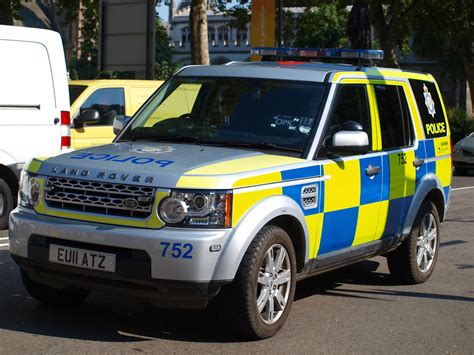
{"x": 354, "y": 207}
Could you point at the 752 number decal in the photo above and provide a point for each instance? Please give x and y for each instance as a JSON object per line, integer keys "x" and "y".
{"x": 177, "y": 250}
{"x": 402, "y": 158}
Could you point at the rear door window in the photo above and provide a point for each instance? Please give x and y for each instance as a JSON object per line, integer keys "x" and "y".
{"x": 429, "y": 106}
{"x": 395, "y": 120}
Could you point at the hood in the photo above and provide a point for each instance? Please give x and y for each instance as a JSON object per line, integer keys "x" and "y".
{"x": 165, "y": 165}
{"x": 467, "y": 143}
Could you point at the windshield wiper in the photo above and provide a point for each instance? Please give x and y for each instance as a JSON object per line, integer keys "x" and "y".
{"x": 263, "y": 145}
{"x": 165, "y": 138}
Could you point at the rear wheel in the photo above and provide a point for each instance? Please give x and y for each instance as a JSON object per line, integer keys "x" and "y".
{"x": 6, "y": 203}
{"x": 263, "y": 290}
{"x": 58, "y": 297}
{"x": 414, "y": 260}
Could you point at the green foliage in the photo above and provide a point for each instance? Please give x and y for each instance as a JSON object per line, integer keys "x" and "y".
{"x": 85, "y": 67}
{"x": 444, "y": 30}
{"x": 459, "y": 123}
{"x": 162, "y": 49}
{"x": 324, "y": 26}
{"x": 164, "y": 69}
{"x": 9, "y": 11}
{"x": 239, "y": 14}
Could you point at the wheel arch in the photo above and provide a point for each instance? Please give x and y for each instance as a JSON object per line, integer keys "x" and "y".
{"x": 295, "y": 230}
{"x": 279, "y": 210}
{"x": 10, "y": 178}
{"x": 429, "y": 188}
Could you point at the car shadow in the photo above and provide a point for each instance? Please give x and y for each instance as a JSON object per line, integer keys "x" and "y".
{"x": 108, "y": 318}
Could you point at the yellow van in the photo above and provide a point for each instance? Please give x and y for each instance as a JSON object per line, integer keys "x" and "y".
{"x": 96, "y": 103}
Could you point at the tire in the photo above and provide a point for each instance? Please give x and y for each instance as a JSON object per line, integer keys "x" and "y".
{"x": 7, "y": 202}
{"x": 414, "y": 260}
{"x": 66, "y": 297}
{"x": 461, "y": 171}
{"x": 256, "y": 281}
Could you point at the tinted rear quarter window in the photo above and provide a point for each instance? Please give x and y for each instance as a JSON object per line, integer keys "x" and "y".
{"x": 429, "y": 106}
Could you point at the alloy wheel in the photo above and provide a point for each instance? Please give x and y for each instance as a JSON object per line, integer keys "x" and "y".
{"x": 273, "y": 284}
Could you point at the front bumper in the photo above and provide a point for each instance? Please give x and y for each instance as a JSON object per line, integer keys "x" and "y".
{"x": 141, "y": 266}
{"x": 463, "y": 161}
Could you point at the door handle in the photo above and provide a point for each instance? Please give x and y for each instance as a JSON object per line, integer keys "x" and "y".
{"x": 418, "y": 162}
{"x": 372, "y": 170}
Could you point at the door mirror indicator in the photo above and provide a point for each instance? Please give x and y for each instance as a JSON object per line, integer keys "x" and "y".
{"x": 120, "y": 122}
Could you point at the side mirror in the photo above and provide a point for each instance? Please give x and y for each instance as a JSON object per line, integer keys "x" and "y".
{"x": 349, "y": 142}
{"x": 120, "y": 122}
{"x": 350, "y": 139}
{"x": 87, "y": 116}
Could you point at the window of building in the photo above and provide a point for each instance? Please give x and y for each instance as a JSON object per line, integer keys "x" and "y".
{"x": 395, "y": 124}
{"x": 185, "y": 36}
{"x": 223, "y": 35}
{"x": 211, "y": 32}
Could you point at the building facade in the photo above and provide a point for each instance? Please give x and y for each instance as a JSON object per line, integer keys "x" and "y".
{"x": 225, "y": 42}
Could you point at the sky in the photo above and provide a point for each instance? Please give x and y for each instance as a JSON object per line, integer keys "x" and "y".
{"x": 162, "y": 11}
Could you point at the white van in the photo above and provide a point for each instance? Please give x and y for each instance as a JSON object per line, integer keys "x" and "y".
{"x": 34, "y": 104}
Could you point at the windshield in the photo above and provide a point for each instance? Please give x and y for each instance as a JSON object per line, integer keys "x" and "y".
{"x": 242, "y": 112}
{"x": 75, "y": 91}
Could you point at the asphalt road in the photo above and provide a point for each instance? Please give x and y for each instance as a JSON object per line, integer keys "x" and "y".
{"x": 357, "y": 309}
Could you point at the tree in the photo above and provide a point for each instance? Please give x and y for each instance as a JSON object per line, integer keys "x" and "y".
{"x": 162, "y": 43}
{"x": 322, "y": 26}
{"x": 390, "y": 19}
{"x": 198, "y": 26}
{"x": 358, "y": 25}
{"x": 9, "y": 11}
{"x": 451, "y": 24}
{"x": 164, "y": 67}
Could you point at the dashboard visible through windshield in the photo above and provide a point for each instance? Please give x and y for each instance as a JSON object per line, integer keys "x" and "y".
{"x": 238, "y": 112}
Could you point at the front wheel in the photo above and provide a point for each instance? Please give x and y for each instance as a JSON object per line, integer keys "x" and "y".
{"x": 263, "y": 290}
{"x": 414, "y": 260}
{"x": 6, "y": 203}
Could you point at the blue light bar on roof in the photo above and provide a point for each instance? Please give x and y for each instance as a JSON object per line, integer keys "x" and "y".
{"x": 343, "y": 53}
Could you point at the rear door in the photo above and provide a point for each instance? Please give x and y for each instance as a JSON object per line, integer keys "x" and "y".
{"x": 398, "y": 155}
{"x": 29, "y": 117}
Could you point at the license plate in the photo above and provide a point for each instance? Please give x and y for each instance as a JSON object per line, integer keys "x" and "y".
{"x": 86, "y": 259}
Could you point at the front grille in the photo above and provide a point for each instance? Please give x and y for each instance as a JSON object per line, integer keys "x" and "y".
{"x": 467, "y": 152}
{"x": 99, "y": 197}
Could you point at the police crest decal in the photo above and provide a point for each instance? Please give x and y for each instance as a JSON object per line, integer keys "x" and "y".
{"x": 430, "y": 105}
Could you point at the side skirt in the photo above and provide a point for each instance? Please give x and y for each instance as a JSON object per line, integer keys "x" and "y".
{"x": 347, "y": 256}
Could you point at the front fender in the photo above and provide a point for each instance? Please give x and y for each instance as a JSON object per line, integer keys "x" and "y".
{"x": 248, "y": 227}
{"x": 428, "y": 183}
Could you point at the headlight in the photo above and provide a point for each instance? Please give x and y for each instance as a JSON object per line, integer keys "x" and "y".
{"x": 197, "y": 209}
{"x": 29, "y": 192}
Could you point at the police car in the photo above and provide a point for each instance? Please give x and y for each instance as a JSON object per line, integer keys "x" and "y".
{"x": 265, "y": 174}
